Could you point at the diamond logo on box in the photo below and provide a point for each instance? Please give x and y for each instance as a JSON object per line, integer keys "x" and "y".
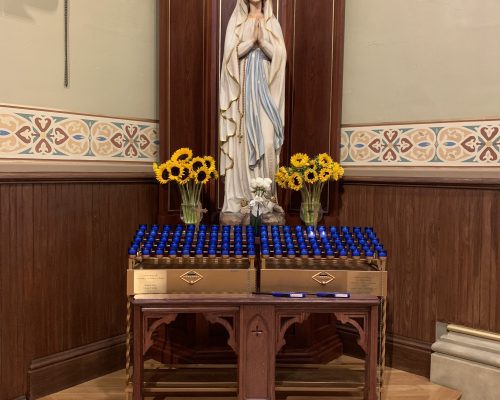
{"x": 191, "y": 277}
{"x": 323, "y": 278}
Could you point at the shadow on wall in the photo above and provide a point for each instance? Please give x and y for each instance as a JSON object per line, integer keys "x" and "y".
{"x": 22, "y": 8}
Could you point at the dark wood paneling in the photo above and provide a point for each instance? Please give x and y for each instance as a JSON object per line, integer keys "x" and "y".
{"x": 181, "y": 103}
{"x": 63, "y": 256}
{"x": 187, "y": 26}
{"x": 312, "y": 74}
{"x": 443, "y": 252}
{"x": 315, "y": 64}
{"x": 210, "y": 109}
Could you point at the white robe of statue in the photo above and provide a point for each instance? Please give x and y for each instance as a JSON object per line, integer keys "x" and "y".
{"x": 252, "y": 103}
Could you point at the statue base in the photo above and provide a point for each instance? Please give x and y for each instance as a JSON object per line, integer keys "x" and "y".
{"x": 271, "y": 218}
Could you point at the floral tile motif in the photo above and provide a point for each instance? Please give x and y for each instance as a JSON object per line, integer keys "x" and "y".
{"x": 32, "y": 134}
{"x": 468, "y": 144}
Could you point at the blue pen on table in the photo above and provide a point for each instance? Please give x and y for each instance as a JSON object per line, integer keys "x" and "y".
{"x": 337, "y": 295}
{"x": 295, "y": 295}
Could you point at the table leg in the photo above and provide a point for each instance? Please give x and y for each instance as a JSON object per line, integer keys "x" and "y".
{"x": 371, "y": 356}
{"x": 138, "y": 369}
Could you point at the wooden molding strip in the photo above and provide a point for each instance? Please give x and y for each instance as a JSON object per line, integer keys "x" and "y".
{"x": 409, "y": 355}
{"x": 427, "y": 182}
{"x": 419, "y": 122}
{"x": 69, "y": 368}
{"x": 76, "y": 177}
{"x": 56, "y": 110}
{"x": 481, "y": 177}
{"x": 56, "y": 171}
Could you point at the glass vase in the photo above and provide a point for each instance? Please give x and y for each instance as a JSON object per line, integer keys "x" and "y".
{"x": 311, "y": 212}
{"x": 191, "y": 213}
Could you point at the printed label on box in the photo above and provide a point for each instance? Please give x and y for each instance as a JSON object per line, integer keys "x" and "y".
{"x": 147, "y": 281}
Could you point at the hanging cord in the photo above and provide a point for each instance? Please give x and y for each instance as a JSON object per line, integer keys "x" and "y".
{"x": 66, "y": 44}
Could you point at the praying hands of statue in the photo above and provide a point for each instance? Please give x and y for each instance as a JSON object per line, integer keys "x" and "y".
{"x": 255, "y": 39}
{"x": 258, "y": 34}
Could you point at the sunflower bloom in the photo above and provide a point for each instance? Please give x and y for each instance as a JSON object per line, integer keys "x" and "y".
{"x": 185, "y": 174}
{"x": 337, "y": 171}
{"x": 300, "y": 160}
{"x": 281, "y": 177}
{"x": 202, "y": 176}
{"x": 325, "y": 174}
{"x": 295, "y": 182}
{"x": 214, "y": 174}
{"x": 341, "y": 171}
{"x": 209, "y": 163}
{"x": 283, "y": 171}
{"x": 324, "y": 160}
{"x": 175, "y": 170}
{"x": 310, "y": 176}
{"x": 161, "y": 172}
{"x": 280, "y": 181}
{"x": 197, "y": 163}
{"x": 182, "y": 155}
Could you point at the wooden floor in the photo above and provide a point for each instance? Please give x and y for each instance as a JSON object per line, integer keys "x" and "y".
{"x": 400, "y": 386}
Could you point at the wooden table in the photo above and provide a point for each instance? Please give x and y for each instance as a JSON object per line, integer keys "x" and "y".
{"x": 256, "y": 325}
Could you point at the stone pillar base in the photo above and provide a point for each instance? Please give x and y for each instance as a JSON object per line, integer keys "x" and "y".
{"x": 469, "y": 361}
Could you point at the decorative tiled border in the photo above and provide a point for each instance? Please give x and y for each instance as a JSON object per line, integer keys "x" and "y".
{"x": 32, "y": 134}
{"x": 451, "y": 144}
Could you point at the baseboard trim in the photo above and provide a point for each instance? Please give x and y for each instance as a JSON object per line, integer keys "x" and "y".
{"x": 409, "y": 355}
{"x": 69, "y": 368}
{"x": 403, "y": 353}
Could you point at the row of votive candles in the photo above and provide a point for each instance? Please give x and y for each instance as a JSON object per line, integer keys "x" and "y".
{"x": 306, "y": 242}
{"x": 181, "y": 240}
{"x": 303, "y": 241}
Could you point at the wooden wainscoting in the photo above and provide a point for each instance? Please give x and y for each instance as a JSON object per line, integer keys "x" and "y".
{"x": 443, "y": 243}
{"x": 62, "y": 274}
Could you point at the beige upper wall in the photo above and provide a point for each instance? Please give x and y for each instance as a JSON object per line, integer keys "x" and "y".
{"x": 421, "y": 60}
{"x": 405, "y": 60}
{"x": 113, "y": 61}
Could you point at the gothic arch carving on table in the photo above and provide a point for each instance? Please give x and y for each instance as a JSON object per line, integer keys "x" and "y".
{"x": 149, "y": 330}
{"x": 231, "y": 327}
{"x": 285, "y": 321}
{"x": 153, "y": 322}
{"x": 348, "y": 318}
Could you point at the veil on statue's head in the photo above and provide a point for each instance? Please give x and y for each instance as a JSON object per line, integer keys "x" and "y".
{"x": 242, "y": 9}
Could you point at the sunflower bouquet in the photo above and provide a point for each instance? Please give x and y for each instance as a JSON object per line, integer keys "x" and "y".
{"x": 191, "y": 174}
{"x": 309, "y": 175}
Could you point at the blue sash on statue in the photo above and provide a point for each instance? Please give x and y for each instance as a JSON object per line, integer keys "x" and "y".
{"x": 258, "y": 95}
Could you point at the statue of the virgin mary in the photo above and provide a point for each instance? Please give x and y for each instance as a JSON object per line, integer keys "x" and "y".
{"x": 252, "y": 101}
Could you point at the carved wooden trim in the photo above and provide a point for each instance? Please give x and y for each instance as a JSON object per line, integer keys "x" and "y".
{"x": 347, "y": 318}
{"x": 217, "y": 318}
{"x": 148, "y": 330}
{"x": 23, "y": 177}
{"x": 285, "y": 321}
{"x": 256, "y": 361}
